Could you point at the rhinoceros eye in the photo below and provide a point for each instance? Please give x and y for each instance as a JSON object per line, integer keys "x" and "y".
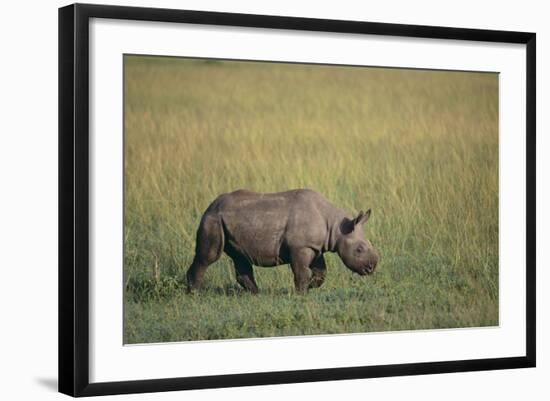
{"x": 359, "y": 250}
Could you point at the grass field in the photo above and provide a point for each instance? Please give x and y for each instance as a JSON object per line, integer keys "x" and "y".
{"x": 418, "y": 147}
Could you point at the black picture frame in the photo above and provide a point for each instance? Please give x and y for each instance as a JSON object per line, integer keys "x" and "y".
{"x": 74, "y": 198}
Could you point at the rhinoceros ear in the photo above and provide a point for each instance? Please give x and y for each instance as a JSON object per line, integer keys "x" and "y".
{"x": 349, "y": 225}
{"x": 362, "y": 217}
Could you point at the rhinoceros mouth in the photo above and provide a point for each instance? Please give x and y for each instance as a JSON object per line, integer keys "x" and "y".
{"x": 364, "y": 271}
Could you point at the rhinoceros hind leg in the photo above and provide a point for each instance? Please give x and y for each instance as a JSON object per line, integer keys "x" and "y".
{"x": 245, "y": 274}
{"x": 209, "y": 248}
{"x": 319, "y": 271}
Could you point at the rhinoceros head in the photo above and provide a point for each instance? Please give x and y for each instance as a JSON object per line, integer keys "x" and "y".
{"x": 357, "y": 253}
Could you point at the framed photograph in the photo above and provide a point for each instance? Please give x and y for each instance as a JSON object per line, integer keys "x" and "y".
{"x": 251, "y": 199}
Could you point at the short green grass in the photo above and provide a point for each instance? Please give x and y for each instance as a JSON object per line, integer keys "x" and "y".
{"x": 418, "y": 147}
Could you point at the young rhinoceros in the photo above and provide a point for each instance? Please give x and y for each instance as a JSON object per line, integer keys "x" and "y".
{"x": 294, "y": 227}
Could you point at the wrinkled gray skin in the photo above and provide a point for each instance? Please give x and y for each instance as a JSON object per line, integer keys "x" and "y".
{"x": 294, "y": 227}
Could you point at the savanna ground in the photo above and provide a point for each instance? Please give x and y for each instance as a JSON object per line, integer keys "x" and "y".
{"x": 418, "y": 147}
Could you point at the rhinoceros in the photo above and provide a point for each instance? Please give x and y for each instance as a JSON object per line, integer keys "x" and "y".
{"x": 269, "y": 229}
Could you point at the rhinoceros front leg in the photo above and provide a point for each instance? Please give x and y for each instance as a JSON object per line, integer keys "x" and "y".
{"x": 319, "y": 271}
{"x": 300, "y": 260}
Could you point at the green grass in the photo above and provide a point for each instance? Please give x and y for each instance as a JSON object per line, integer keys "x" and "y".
{"x": 418, "y": 147}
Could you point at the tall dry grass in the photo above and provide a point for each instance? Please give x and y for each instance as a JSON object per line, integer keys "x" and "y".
{"x": 418, "y": 147}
